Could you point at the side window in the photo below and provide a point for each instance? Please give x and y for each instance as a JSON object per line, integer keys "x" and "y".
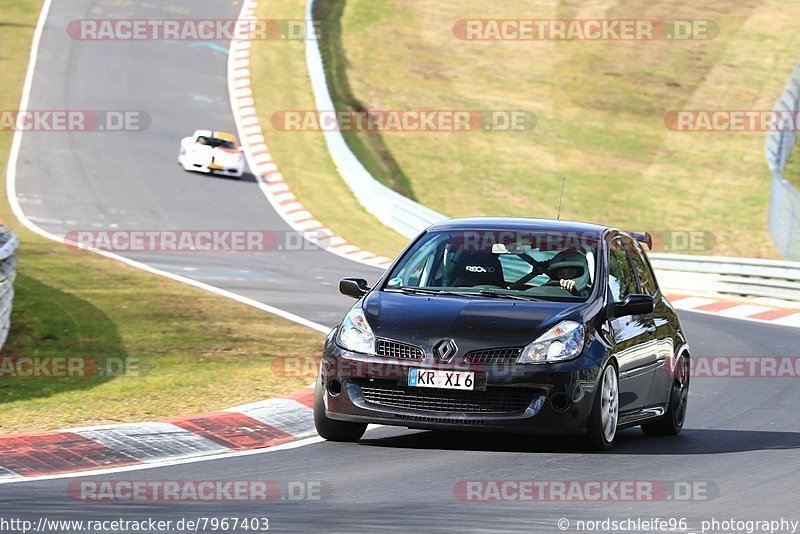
{"x": 647, "y": 280}
{"x": 414, "y": 275}
{"x": 621, "y": 281}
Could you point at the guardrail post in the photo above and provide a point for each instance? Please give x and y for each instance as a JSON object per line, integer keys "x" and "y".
{"x": 8, "y": 262}
{"x": 784, "y": 206}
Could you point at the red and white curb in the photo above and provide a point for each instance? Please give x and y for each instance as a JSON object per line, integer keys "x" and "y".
{"x": 259, "y": 159}
{"x": 285, "y": 203}
{"x": 736, "y": 309}
{"x": 259, "y": 425}
{"x": 252, "y": 426}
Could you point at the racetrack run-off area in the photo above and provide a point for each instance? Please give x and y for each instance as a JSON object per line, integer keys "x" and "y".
{"x": 736, "y": 455}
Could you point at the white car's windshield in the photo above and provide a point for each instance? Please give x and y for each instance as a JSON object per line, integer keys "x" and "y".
{"x": 536, "y": 265}
{"x": 215, "y": 142}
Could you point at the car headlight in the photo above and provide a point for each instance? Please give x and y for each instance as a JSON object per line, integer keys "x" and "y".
{"x": 355, "y": 334}
{"x": 562, "y": 342}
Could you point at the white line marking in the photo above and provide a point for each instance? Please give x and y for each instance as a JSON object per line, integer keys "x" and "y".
{"x": 11, "y": 189}
{"x": 20, "y": 214}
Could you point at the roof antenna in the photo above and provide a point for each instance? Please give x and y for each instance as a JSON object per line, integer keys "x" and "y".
{"x": 561, "y": 198}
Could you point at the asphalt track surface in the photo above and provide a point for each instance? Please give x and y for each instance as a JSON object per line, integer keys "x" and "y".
{"x": 741, "y": 439}
{"x": 131, "y": 180}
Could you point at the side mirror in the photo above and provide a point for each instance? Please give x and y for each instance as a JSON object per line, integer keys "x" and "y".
{"x": 634, "y": 305}
{"x": 353, "y": 287}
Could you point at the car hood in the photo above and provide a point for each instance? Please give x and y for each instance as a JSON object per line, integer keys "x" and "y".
{"x": 473, "y": 322}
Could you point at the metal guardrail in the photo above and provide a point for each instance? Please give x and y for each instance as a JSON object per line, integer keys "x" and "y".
{"x": 399, "y": 213}
{"x": 784, "y": 206}
{"x": 8, "y": 262}
{"x": 733, "y": 276}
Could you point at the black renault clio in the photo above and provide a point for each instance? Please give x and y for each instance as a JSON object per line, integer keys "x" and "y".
{"x": 519, "y": 325}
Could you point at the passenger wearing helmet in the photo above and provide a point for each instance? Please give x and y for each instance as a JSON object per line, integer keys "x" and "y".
{"x": 571, "y": 270}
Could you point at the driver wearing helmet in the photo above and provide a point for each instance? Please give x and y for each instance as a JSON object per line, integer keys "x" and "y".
{"x": 571, "y": 270}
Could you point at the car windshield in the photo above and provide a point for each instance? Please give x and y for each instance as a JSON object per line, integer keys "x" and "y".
{"x": 551, "y": 265}
{"x": 215, "y": 142}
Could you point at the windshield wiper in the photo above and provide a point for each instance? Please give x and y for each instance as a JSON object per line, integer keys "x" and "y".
{"x": 481, "y": 293}
{"x": 425, "y": 291}
{"x": 419, "y": 291}
{"x": 495, "y": 294}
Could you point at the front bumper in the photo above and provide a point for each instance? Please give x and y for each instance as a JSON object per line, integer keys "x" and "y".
{"x": 542, "y": 399}
{"x": 223, "y": 171}
{"x": 204, "y": 165}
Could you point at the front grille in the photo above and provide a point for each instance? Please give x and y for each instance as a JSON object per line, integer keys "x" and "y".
{"x": 446, "y": 420}
{"x": 493, "y": 400}
{"x": 395, "y": 349}
{"x": 490, "y": 356}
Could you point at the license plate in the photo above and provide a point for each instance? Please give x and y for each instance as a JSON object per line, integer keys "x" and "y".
{"x": 427, "y": 378}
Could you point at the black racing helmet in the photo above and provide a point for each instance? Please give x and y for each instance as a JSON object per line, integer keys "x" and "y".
{"x": 571, "y": 259}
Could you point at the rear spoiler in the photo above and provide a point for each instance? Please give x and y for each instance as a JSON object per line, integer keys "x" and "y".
{"x": 644, "y": 238}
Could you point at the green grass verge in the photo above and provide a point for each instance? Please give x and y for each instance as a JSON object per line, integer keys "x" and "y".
{"x": 189, "y": 351}
{"x": 280, "y": 82}
{"x": 600, "y": 109}
{"x": 368, "y": 147}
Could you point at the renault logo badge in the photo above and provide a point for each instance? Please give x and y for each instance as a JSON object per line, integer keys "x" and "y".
{"x": 445, "y": 350}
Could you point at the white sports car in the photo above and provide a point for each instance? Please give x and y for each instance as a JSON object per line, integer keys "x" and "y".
{"x": 211, "y": 152}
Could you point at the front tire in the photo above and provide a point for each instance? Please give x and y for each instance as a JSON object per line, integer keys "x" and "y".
{"x": 671, "y": 423}
{"x": 605, "y": 411}
{"x": 330, "y": 429}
